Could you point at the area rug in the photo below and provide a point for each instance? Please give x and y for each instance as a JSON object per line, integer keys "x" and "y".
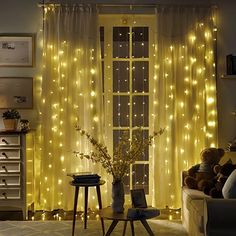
{"x": 64, "y": 228}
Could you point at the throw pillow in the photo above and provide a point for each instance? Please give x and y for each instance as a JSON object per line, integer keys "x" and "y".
{"x": 229, "y": 189}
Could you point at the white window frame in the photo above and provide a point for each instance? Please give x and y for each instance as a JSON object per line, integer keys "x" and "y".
{"x": 115, "y": 20}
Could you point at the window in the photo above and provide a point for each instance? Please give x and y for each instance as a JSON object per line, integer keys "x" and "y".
{"x": 127, "y": 59}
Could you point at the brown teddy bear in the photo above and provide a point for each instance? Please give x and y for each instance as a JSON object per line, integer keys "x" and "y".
{"x": 200, "y": 176}
{"x": 222, "y": 174}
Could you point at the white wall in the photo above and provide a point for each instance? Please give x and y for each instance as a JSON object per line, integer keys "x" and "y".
{"x": 25, "y": 16}
{"x": 22, "y": 17}
{"x": 226, "y": 88}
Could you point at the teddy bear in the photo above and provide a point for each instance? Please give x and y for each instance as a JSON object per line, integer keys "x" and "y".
{"x": 200, "y": 176}
{"x": 222, "y": 174}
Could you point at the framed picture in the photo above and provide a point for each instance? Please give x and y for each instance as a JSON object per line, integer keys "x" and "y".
{"x": 17, "y": 50}
{"x": 138, "y": 198}
{"x": 16, "y": 92}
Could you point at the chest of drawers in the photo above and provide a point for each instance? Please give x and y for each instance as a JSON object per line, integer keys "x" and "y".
{"x": 13, "y": 172}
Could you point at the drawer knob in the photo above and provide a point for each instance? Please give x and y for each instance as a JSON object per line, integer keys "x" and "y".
{"x": 4, "y": 167}
{"x": 4, "y": 141}
{"x": 4, "y": 194}
{"x": 4, "y": 181}
{"x": 4, "y": 154}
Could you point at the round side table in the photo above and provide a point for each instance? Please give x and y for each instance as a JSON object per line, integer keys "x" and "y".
{"x": 107, "y": 213}
{"x": 86, "y": 186}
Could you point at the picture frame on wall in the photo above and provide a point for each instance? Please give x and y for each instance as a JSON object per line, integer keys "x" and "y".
{"x": 16, "y": 92}
{"x": 17, "y": 50}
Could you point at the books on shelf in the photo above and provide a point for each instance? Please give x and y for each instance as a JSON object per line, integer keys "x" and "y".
{"x": 84, "y": 177}
{"x": 231, "y": 64}
{"x": 231, "y": 146}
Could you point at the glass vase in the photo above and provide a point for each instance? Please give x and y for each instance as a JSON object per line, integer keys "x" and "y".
{"x": 118, "y": 196}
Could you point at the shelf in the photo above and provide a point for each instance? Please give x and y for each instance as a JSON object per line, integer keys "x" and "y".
{"x": 228, "y": 77}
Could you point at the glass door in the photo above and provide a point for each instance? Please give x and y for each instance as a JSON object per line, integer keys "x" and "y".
{"x": 127, "y": 43}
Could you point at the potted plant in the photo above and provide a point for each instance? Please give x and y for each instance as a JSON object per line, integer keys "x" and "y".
{"x": 10, "y": 119}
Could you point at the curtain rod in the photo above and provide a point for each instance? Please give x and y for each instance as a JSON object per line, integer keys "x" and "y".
{"x": 148, "y": 5}
{"x": 99, "y": 5}
{"x": 128, "y": 5}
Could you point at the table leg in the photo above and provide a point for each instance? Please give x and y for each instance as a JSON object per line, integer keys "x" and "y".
{"x": 147, "y": 227}
{"x": 75, "y": 208}
{"x": 124, "y": 229}
{"x": 100, "y": 206}
{"x": 85, "y": 206}
{"x": 112, "y": 226}
{"x": 132, "y": 227}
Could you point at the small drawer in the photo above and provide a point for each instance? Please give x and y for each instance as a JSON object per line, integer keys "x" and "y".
{"x": 9, "y": 154}
{"x": 10, "y": 140}
{"x": 9, "y": 193}
{"x": 9, "y": 180}
{"x": 9, "y": 167}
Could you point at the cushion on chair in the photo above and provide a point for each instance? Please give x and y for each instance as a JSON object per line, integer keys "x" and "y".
{"x": 229, "y": 189}
{"x": 142, "y": 213}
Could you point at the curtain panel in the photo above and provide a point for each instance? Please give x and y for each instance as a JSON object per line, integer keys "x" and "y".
{"x": 184, "y": 101}
{"x": 184, "y": 93}
{"x": 71, "y": 94}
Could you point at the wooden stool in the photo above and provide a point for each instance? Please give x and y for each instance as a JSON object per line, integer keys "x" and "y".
{"x": 86, "y": 186}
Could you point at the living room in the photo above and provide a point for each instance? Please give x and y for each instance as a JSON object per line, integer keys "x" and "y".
{"x": 60, "y": 93}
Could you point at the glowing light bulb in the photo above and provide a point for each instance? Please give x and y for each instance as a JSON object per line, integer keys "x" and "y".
{"x": 210, "y": 100}
{"x": 96, "y": 119}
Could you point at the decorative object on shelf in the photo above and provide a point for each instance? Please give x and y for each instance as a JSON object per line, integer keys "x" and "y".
{"x": 126, "y": 153}
{"x": 10, "y": 119}
{"x": 231, "y": 64}
{"x": 84, "y": 177}
{"x": 24, "y": 125}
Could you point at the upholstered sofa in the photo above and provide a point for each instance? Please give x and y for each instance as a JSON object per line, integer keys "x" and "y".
{"x": 203, "y": 215}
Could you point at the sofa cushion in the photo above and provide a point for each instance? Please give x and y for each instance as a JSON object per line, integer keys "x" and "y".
{"x": 229, "y": 189}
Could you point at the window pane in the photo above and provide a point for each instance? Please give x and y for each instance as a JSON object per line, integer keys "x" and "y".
{"x": 140, "y": 42}
{"x": 140, "y": 111}
{"x": 103, "y": 76}
{"x": 126, "y": 181}
{"x": 120, "y": 111}
{"x": 121, "y": 42}
{"x": 140, "y": 76}
{"x": 117, "y": 136}
{"x": 102, "y": 41}
{"x": 120, "y": 76}
{"x": 140, "y": 176}
{"x": 145, "y": 156}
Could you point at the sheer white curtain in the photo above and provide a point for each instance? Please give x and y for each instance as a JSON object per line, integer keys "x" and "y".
{"x": 71, "y": 93}
{"x": 184, "y": 100}
{"x": 184, "y": 95}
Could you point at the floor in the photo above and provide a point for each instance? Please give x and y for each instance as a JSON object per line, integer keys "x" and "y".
{"x": 63, "y": 228}
{"x": 165, "y": 214}
{"x": 59, "y": 223}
